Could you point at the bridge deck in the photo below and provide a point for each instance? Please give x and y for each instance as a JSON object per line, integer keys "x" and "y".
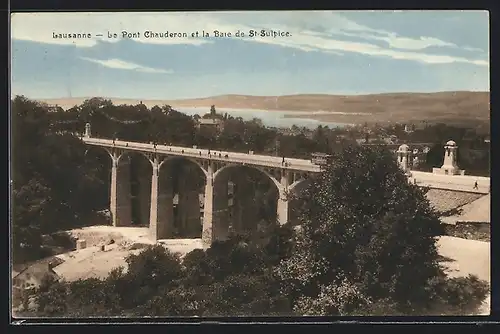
{"x": 199, "y": 153}
{"x": 456, "y": 182}
{"x": 464, "y": 183}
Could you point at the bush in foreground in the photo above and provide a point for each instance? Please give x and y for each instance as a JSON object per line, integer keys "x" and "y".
{"x": 236, "y": 293}
{"x": 362, "y": 220}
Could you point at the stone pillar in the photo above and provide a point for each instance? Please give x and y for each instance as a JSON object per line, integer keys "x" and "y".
{"x": 120, "y": 205}
{"x": 161, "y": 217}
{"x": 155, "y": 225}
{"x": 450, "y": 156}
{"x": 403, "y": 154}
{"x": 87, "y": 130}
{"x": 282, "y": 207}
{"x": 450, "y": 163}
{"x": 113, "y": 186}
{"x": 207, "y": 232}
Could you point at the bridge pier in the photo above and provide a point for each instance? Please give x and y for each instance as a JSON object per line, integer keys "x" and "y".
{"x": 282, "y": 209}
{"x": 282, "y": 205}
{"x": 207, "y": 229}
{"x": 120, "y": 206}
{"x": 161, "y": 216}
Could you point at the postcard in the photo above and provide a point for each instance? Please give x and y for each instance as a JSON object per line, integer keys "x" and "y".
{"x": 233, "y": 164}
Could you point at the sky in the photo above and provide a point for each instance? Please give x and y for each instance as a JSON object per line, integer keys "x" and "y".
{"x": 326, "y": 52}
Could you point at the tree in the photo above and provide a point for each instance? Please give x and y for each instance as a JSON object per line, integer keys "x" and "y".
{"x": 365, "y": 226}
{"x": 50, "y": 177}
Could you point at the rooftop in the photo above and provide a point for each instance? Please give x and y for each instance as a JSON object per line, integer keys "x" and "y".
{"x": 209, "y": 121}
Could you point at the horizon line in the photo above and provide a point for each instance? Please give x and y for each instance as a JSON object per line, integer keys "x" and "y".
{"x": 247, "y": 95}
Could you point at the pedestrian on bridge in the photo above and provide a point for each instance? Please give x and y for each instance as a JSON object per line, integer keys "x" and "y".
{"x": 283, "y": 161}
{"x": 475, "y": 185}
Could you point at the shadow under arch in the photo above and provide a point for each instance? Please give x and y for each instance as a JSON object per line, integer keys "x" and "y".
{"x": 295, "y": 200}
{"x": 98, "y": 159}
{"x": 131, "y": 154}
{"x": 138, "y": 170}
{"x": 299, "y": 185}
{"x": 98, "y": 152}
{"x": 243, "y": 201}
{"x": 224, "y": 170}
{"x": 182, "y": 183}
{"x": 194, "y": 161}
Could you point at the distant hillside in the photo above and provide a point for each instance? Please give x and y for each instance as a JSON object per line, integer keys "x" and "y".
{"x": 455, "y": 107}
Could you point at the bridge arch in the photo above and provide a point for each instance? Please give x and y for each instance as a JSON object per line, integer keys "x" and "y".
{"x": 171, "y": 158}
{"x": 135, "y": 170}
{"x": 100, "y": 148}
{"x": 243, "y": 201}
{"x": 299, "y": 184}
{"x": 181, "y": 183}
{"x": 132, "y": 153}
{"x": 262, "y": 170}
{"x": 101, "y": 161}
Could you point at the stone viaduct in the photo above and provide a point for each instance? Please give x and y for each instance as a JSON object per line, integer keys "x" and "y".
{"x": 157, "y": 193}
{"x": 221, "y": 188}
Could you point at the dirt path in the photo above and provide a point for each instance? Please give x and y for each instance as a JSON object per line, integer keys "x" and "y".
{"x": 92, "y": 261}
{"x": 467, "y": 257}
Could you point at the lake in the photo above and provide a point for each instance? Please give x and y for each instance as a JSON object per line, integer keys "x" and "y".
{"x": 274, "y": 118}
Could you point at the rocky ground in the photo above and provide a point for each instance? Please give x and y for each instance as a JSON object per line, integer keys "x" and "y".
{"x": 118, "y": 242}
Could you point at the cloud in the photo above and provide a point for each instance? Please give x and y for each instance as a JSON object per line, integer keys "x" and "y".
{"x": 124, "y": 65}
{"x": 404, "y": 43}
{"x": 312, "y": 31}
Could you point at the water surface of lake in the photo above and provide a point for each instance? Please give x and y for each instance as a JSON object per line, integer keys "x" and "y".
{"x": 275, "y": 118}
